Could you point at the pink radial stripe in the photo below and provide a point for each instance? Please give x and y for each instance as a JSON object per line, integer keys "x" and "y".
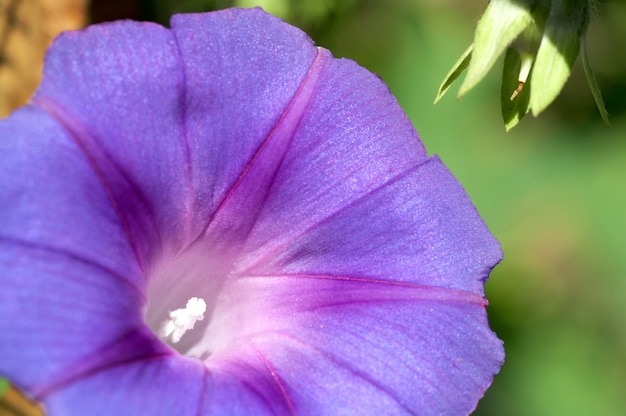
{"x": 275, "y": 378}
{"x": 392, "y": 290}
{"x": 76, "y": 257}
{"x": 112, "y": 179}
{"x": 131, "y": 347}
{"x": 239, "y": 210}
{"x": 276, "y": 246}
{"x": 336, "y": 360}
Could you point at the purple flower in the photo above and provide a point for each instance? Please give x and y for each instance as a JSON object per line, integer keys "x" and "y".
{"x": 222, "y": 219}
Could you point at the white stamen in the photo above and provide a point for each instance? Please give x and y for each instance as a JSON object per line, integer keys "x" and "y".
{"x": 182, "y": 320}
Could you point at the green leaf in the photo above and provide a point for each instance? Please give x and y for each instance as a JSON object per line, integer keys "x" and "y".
{"x": 593, "y": 84}
{"x": 515, "y": 91}
{"x": 4, "y": 386}
{"x": 456, "y": 71}
{"x": 557, "y": 52}
{"x": 502, "y": 22}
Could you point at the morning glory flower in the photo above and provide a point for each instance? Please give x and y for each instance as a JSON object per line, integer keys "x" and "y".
{"x": 221, "y": 218}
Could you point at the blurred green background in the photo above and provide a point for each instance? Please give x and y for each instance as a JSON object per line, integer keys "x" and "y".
{"x": 553, "y": 190}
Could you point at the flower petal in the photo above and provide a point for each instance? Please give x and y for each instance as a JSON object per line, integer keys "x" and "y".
{"x": 387, "y": 356}
{"x": 243, "y": 68}
{"x": 352, "y": 138}
{"x": 53, "y": 197}
{"x": 351, "y": 312}
{"x": 117, "y": 89}
{"x": 183, "y": 386}
{"x": 419, "y": 227}
{"x": 232, "y": 221}
{"x": 222, "y": 79}
{"x": 70, "y": 282}
{"x": 360, "y": 347}
{"x": 161, "y": 386}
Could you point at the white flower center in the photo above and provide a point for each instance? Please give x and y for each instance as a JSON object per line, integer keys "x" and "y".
{"x": 183, "y": 320}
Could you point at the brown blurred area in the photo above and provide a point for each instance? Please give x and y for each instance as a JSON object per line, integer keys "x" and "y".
{"x": 13, "y": 403}
{"x": 27, "y": 27}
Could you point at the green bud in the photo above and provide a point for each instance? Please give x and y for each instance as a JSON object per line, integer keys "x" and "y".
{"x": 593, "y": 84}
{"x": 515, "y": 91}
{"x": 542, "y": 39}
{"x": 501, "y": 24}
{"x": 560, "y": 43}
{"x": 455, "y": 72}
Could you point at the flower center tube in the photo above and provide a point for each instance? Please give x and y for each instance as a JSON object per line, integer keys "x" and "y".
{"x": 183, "y": 320}
{"x": 204, "y": 269}
{"x": 183, "y": 291}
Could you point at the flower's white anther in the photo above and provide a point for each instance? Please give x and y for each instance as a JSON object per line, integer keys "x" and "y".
{"x": 182, "y": 320}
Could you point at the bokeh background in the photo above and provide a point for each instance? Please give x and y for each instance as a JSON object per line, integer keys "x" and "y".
{"x": 553, "y": 190}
